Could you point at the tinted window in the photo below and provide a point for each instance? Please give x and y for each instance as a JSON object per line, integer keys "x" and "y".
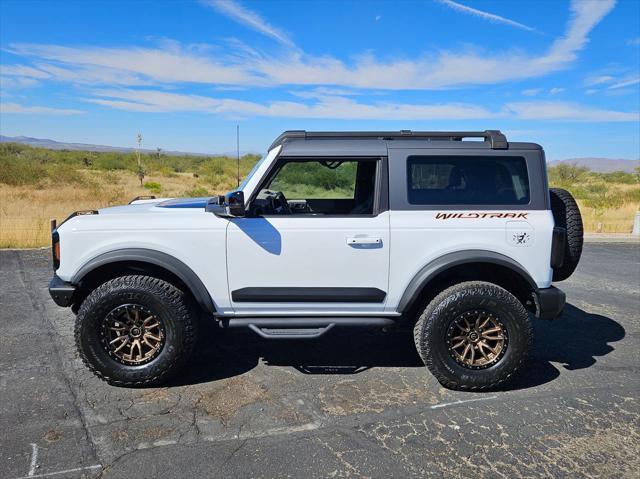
{"x": 458, "y": 180}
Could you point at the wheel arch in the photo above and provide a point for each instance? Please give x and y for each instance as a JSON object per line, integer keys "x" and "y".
{"x": 469, "y": 265}
{"x": 142, "y": 261}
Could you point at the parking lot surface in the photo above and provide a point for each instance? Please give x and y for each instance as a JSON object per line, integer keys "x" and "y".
{"x": 350, "y": 405}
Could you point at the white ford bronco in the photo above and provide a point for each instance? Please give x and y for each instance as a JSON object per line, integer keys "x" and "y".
{"x": 454, "y": 234}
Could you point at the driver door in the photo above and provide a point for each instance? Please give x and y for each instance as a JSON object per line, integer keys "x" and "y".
{"x": 315, "y": 241}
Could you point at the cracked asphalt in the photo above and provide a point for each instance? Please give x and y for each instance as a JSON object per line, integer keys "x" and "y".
{"x": 350, "y": 405}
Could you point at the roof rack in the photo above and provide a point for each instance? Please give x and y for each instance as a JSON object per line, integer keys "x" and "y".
{"x": 495, "y": 137}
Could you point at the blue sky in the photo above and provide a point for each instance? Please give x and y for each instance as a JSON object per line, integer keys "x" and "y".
{"x": 563, "y": 74}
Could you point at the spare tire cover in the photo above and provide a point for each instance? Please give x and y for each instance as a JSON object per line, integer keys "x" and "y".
{"x": 567, "y": 215}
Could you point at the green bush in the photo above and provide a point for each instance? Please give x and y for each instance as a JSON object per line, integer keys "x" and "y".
{"x": 196, "y": 192}
{"x": 618, "y": 177}
{"x": 153, "y": 186}
{"x": 566, "y": 174}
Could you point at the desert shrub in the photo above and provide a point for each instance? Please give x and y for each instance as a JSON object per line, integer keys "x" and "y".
{"x": 596, "y": 189}
{"x": 167, "y": 172}
{"x": 153, "y": 186}
{"x": 603, "y": 200}
{"x": 632, "y": 195}
{"x": 16, "y": 173}
{"x": 618, "y": 177}
{"x": 64, "y": 174}
{"x": 114, "y": 161}
{"x": 196, "y": 191}
{"x": 566, "y": 174}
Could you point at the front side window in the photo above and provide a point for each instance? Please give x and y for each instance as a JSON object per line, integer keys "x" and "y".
{"x": 319, "y": 187}
{"x": 459, "y": 180}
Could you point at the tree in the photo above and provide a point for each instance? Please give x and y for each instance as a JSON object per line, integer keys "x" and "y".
{"x": 566, "y": 174}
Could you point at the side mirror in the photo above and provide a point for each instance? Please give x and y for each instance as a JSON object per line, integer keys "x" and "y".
{"x": 230, "y": 205}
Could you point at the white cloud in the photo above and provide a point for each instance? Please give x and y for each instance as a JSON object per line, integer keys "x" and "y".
{"x": 634, "y": 41}
{"x": 131, "y": 66}
{"x": 333, "y": 107}
{"x": 24, "y": 71}
{"x": 598, "y": 80}
{"x": 625, "y": 82}
{"x": 485, "y": 15}
{"x": 6, "y": 108}
{"x": 549, "y": 110}
{"x": 336, "y": 107}
{"x": 610, "y": 82}
{"x": 172, "y": 64}
{"x": 531, "y": 91}
{"x": 556, "y": 90}
{"x": 250, "y": 19}
{"x": 7, "y": 82}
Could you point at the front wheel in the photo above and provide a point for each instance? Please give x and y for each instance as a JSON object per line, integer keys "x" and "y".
{"x": 474, "y": 336}
{"x": 135, "y": 330}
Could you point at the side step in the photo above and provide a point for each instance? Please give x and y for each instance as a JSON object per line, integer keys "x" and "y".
{"x": 303, "y": 328}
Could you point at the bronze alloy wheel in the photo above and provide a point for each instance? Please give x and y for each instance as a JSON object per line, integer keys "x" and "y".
{"x": 132, "y": 335}
{"x": 477, "y": 339}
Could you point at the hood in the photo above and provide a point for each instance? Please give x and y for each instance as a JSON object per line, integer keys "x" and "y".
{"x": 159, "y": 205}
{"x": 199, "y": 202}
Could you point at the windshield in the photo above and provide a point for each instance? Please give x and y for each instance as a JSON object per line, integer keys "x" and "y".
{"x": 251, "y": 173}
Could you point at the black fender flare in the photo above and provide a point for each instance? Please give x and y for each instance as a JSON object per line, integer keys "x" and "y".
{"x": 450, "y": 260}
{"x": 157, "y": 258}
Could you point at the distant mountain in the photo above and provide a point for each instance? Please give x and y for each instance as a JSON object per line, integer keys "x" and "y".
{"x": 58, "y": 145}
{"x": 601, "y": 165}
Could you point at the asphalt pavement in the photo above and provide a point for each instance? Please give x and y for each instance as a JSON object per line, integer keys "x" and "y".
{"x": 349, "y": 405}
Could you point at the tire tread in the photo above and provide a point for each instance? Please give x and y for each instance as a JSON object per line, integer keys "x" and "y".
{"x": 425, "y": 324}
{"x": 167, "y": 293}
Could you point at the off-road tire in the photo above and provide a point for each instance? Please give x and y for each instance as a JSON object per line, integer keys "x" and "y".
{"x": 431, "y": 329}
{"x": 170, "y": 304}
{"x": 567, "y": 215}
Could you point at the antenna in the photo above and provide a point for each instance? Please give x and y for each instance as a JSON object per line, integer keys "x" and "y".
{"x": 238, "y": 149}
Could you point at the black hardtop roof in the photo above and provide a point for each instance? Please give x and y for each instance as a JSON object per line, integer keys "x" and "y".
{"x": 495, "y": 139}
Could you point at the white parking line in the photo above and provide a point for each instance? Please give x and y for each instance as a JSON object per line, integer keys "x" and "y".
{"x": 34, "y": 460}
{"x": 66, "y": 471}
{"x": 463, "y": 401}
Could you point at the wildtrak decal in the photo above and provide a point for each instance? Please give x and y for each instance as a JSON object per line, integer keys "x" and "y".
{"x": 451, "y": 216}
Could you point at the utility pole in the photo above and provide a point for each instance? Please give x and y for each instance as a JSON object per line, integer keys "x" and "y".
{"x": 238, "y": 150}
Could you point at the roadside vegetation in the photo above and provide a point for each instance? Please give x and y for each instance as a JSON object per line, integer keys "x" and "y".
{"x": 38, "y": 184}
{"x": 608, "y": 201}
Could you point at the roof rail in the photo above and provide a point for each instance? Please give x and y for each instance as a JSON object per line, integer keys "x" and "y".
{"x": 495, "y": 137}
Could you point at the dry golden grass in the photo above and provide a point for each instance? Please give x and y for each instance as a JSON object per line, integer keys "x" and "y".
{"x": 611, "y": 220}
{"x": 25, "y": 211}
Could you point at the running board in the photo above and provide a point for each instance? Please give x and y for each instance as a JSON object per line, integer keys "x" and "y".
{"x": 302, "y": 328}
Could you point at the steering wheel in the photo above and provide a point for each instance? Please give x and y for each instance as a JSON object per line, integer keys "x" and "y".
{"x": 280, "y": 204}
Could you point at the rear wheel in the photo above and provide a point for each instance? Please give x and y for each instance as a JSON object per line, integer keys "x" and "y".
{"x": 135, "y": 330}
{"x": 474, "y": 336}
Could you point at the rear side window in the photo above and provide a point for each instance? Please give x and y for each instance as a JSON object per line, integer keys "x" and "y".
{"x": 465, "y": 180}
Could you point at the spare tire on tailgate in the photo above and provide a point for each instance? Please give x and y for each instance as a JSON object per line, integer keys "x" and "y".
{"x": 567, "y": 215}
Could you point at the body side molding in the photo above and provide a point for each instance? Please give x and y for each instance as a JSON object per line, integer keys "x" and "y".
{"x": 157, "y": 258}
{"x": 441, "y": 264}
{"x": 306, "y": 295}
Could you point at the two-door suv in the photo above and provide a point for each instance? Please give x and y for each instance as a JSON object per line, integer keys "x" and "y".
{"x": 454, "y": 234}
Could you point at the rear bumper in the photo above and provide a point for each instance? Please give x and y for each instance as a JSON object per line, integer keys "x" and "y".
{"x": 61, "y": 291}
{"x": 549, "y": 302}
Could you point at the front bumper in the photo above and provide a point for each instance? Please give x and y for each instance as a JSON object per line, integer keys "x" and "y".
{"x": 549, "y": 302}
{"x": 61, "y": 291}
